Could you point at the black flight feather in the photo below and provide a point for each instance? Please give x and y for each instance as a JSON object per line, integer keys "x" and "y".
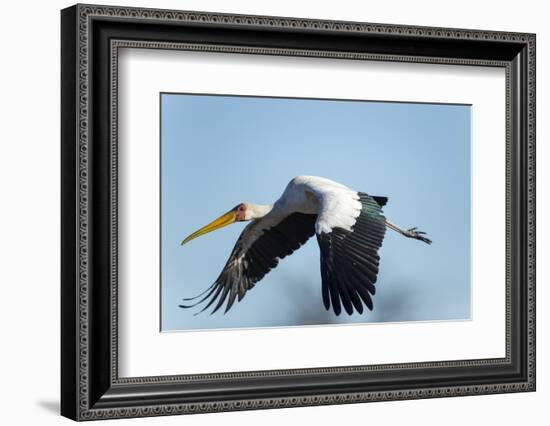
{"x": 248, "y": 265}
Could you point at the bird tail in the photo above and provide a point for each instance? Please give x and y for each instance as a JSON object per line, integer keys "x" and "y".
{"x": 381, "y": 201}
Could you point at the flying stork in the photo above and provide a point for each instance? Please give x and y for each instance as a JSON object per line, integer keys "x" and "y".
{"x": 349, "y": 226}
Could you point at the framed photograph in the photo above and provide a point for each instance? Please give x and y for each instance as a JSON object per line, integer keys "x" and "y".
{"x": 372, "y": 192}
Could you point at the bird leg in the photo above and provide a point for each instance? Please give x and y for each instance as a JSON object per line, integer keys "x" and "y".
{"x": 409, "y": 233}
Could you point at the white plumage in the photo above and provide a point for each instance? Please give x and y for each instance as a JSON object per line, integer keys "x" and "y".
{"x": 335, "y": 204}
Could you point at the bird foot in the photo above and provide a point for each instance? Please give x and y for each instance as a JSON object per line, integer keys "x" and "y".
{"x": 417, "y": 235}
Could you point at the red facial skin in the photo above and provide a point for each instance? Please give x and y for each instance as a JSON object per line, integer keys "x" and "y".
{"x": 240, "y": 212}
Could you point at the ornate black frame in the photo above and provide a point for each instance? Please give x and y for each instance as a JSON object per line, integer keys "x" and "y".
{"x": 90, "y": 386}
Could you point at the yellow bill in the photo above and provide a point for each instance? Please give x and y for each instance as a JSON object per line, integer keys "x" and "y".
{"x": 224, "y": 220}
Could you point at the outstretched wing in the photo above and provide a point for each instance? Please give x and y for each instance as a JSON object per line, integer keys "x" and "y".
{"x": 349, "y": 257}
{"x": 258, "y": 250}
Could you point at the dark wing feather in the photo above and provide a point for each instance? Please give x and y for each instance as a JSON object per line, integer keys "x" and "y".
{"x": 249, "y": 263}
{"x": 381, "y": 201}
{"x": 349, "y": 259}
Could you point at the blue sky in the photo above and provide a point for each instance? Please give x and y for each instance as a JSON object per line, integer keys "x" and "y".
{"x": 218, "y": 151}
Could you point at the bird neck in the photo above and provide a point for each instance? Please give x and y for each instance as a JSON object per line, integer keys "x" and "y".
{"x": 257, "y": 211}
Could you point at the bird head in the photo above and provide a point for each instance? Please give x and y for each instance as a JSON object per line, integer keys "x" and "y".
{"x": 239, "y": 213}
